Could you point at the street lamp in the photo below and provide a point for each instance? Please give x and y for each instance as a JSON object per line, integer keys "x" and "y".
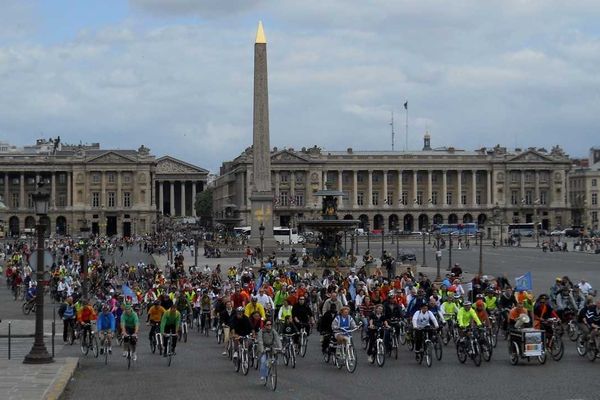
{"x": 438, "y": 258}
{"x": 261, "y": 229}
{"x": 84, "y": 253}
{"x": 39, "y": 353}
{"x": 480, "y": 252}
{"x": 382, "y": 241}
{"x": 536, "y": 203}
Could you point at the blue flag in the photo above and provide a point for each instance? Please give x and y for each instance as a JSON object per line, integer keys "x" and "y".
{"x": 524, "y": 282}
{"x": 127, "y": 292}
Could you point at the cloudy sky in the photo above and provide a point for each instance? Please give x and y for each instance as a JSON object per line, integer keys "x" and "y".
{"x": 176, "y": 75}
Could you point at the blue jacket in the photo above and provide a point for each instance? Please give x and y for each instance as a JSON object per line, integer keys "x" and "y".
{"x": 106, "y": 321}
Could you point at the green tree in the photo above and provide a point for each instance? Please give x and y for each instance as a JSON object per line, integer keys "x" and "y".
{"x": 204, "y": 206}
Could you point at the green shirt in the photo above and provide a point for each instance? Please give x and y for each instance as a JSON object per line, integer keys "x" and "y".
{"x": 170, "y": 319}
{"x": 130, "y": 320}
{"x": 465, "y": 317}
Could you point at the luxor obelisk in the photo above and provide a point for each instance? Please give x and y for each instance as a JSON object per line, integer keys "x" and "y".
{"x": 261, "y": 196}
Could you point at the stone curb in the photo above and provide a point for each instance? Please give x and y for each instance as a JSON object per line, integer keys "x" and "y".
{"x": 59, "y": 384}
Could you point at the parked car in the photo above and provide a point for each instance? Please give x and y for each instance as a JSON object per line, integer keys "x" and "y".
{"x": 558, "y": 232}
{"x": 572, "y": 232}
{"x": 408, "y": 257}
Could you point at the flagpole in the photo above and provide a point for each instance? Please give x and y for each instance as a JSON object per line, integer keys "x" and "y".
{"x": 406, "y": 127}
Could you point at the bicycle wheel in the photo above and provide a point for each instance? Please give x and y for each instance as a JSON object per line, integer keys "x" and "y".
{"x": 105, "y": 354}
{"x": 557, "y": 348}
{"x": 402, "y": 334}
{"x": 364, "y": 339}
{"x": 395, "y": 346}
{"x": 85, "y": 348}
{"x": 476, "y": 356}
{"x": 293, "y": 357}
{"x": 237, "y": 361}
{"x": 71, "y": 335}
{"x": 590, "y": 350}
{"x": 286, "y": 355}
{"x": 185, "y": 333}
{"x": 303, "y": 344}
{"x": 255, "y": 357}
{"x": 573, "y": 331}
{"x": 128, "y": 358}
{"x": 26, "y": 308}
{"x": 486, "y": 351}
{"x": 380, "y": 357}
{"x": 351, "y": 359}
{"x": 410, "y": 343}
{"x": 428, "y": 353}
{"x": 445, "y": 334}
{"x": 159, "y": 343}
{"x": 461, "y": 352}
{"x": 219, "y": 335}
{"x": 95, "y": 348}
{"x": 581, "y": 346}
{"x": 542, "y": 358}
{"x": 326, "y": 356}
{"x": 437, "y": 348}
{"x": 153, "y": 344}
{"x": 244, "y": 361}
{"x": 273, "y": 376}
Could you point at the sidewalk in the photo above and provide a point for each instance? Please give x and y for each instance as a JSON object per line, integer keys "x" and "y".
{"x": 20, "y": 381}
{"x": 26, "y": 328}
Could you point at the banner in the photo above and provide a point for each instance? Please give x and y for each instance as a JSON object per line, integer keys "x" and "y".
{"x": 524, "y": 282}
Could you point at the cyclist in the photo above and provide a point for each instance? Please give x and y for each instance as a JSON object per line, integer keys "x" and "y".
{"x": 302, "y": 315}
{"x": 30, "y": 295}
{"x": 130, "y": 325}
{"x": 106, "y": 326}
{"x": 325, "y": 326}
{"x": 154, "y": 318}
{"x": 490, "y": 300}
{"x": 377, "y": 320}
{"x": 240, "y": 326}
{"x": 284, "y": 311}
{"x": 515, "y": 313}
{"x": 482, "y": 313}
{"x": 256, "y": 322}
{"x": 341, "y": 323}
{"x": 170, "y": 323}
{"x": 254, "y": 306}
{"x": 267, "y": 338}
{"x": 85, "y": 317}
{"x": 421, "y": 320}
{"x": 183, "y": 305}
{"x": 466, "y": 317}
{"x": 450, "y": 307}
{"x": 225, "y": 316}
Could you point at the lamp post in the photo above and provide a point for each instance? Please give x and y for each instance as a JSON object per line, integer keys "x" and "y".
{"x": 261, "y": 229}
{"x": 438, "y": 258}
{"x": 449, "y": 251}
{"x": 352, "y": 235}
{"x": 424, "y": 260}
{"x": 382, "y": 241}
{"x": 38, "y": 353}
{"x": 480, "y": 252}
{"x": 536, "y": 203}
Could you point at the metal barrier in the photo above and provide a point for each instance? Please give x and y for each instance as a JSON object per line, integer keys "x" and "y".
{"x": 9, "y": 338}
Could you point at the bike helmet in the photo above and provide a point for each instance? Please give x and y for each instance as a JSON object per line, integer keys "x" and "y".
{"x": 240, "y": 309}
{"x": 457, "y": 296}
{"x": 467, "y": 303}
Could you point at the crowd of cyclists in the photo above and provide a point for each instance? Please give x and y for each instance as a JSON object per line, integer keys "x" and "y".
{"x": 259, "y": 312}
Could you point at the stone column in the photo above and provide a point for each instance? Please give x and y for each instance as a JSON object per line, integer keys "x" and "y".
{"x": 172, "y": 199}
{"x": 522, "y": 172}
{"x": 22, "y": 204}
{"x": 444, "y": 188}
{"x": 429, "y": 188}
{"x": 474, "y": 187}
{"x": 415, "y": 183}
{"x": 119, "y": 202}
{"x": 276, "y": 173}
{"x": 370, "y": 188}
{"x": 459, "y": 187}
{"x": 293, "y": 184}
{"x": 103, "y": 191}
{"x": 7, "y": 202}
{"x": 69, "y": 189}
{"x": 537, "y": 184}
{"x": 161, "y": 199}
{"x": 194, "y": 197}
{"x": 489, "y": 200}
{"x": 355, "y": 188}
{"x": 340, "y": 188}
{"x": 324, "y": 180}
{"x": 385, "y": 188}
{"x": 53, "y": 191}
{"x": 183, "y": 210}
{"x": 399, "y": 183}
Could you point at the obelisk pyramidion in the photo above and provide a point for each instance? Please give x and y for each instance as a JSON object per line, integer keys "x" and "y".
{"x": 261, "y": 196}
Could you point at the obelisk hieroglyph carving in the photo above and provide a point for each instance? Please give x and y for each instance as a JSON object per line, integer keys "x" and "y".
{"x": 262, "y": 195}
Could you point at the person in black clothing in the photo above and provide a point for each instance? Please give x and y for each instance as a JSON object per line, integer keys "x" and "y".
{"x": 325, "y": 326}
{"x": 377, "y": 320}
{"x": 302, "y": 315}
{"x": 240, "y": 326}
{"x": 506, "y": 302}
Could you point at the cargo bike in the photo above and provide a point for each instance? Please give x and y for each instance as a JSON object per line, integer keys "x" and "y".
{"x": 525, "y": 344}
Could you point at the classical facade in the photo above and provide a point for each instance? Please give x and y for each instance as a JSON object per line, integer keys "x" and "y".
{"x": 177, "y": 184}
{"x": 407, "y": 190}
{"x": 113, "y": 192}
{"x": 584, "y": 190}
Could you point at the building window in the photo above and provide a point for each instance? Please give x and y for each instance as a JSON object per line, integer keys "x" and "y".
{"x": 434, "y": 178}
{"x": 514, "y": 176}
{"x": 528, "y": 197}
{"x": 463, "y": 198}
{"x": 31, "y": 180}
{"x": 62, "y": 178}
{"x": 514, "y": 197}
{"x": 594, "y": 182}
{"x": 594, "y": 216}
{"x": 360, "y": 177}
{"x": 404, "y": 178}
{"x": 404, "y": 199}
{"x": 127, "y": 177}
{"x": 528, "y": 176}
{"x": 345, "y": 178}
{"x": 95, "y": 199}
{"x": 96, "y": 177}
{"x": 375, "y": 198}
{"x": 543, "y": 197}
{"x": 543, "y": 176}
{"x": 111, "y": 199}
{"x": 448, "y": 197}
{"x": 390, "y": 198}
{"x": 284, "y": 177}
{"x": 283, "y": 198}
{"x": 29, "y": 200}
{"x": 594, "y": 199}
{"x": 15, "y": 200}
{"x": 478, "y": 198}
{"x": 375, "y": 178}
{"x": 360, "y": 198}
{"x": 127, "y": 199}
{"x": 299, "y": 176}
{"x": 434, "y": 198}
{"x": 299, "y": 199}
{"x": 419, "y": 177}
{"x": 61, "y": 200}
{"x": 420, "y": 198}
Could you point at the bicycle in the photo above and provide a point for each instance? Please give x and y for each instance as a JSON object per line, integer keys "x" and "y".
{"x": 155, "y": 338}
{"x": 485, "y": 343}
{"x": 205, "y": 323}
{"x": 426, "y": 351}
{"x": 436, "y": 339}
{"x": 183, "y": 328}
{"x": 468, "y": 346}
{"x": 244, "y": 355}
{"x": 29, "y": 306}
{"x": 344, "y": 353}
{"x": 128, "y": 349}
{"x": 220, "y": 333}
{"x": 303, "y": 341}
{"x": 271, "y": 378}
{"x": 554, "y": 341}
{"x": 89, "y": 341}
{"x": 169, "y": 351}
{"x": 379, "y": 346}
{"x": 591, "y": 351}
{"x": 393, "y": 347}
{"x": 289, "y": 350}
{"x": 253, "y": 353}
{"x": 105, "y": 342}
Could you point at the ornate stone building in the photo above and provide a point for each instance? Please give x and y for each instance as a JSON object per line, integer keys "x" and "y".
{"x": 114, "y": 192}
{"x": 177, "y": 184}
{"x": 584, "y": 190}
{"x": 407, "y": 190}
